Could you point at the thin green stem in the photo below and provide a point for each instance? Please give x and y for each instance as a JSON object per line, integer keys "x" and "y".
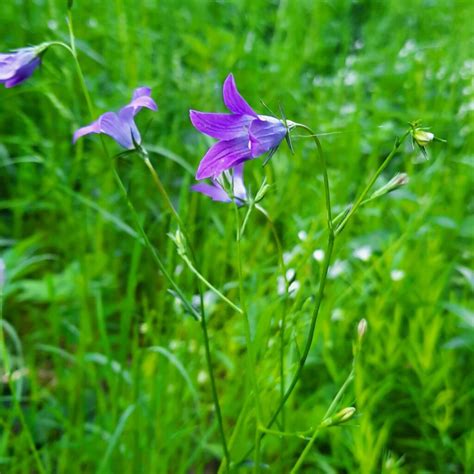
{"x": 339, "y": 394}
{"x": 191, "y": 265}
{"x": 322, "y": 284}
{"x": 360, "y": 200}
{"x": 80, "y": 74}
{"x": 248, "y": 336}
{"x": 282, "y": 265}
{"x": 151, "y": 248}
{"x": 246, "y": 218}
{"x": 211, "y": 286}
{"x": 328, "y": 413}
{"x": 63, "y": 45}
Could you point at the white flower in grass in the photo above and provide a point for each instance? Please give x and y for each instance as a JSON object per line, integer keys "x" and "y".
{"x": 293, "y": 288}
{"x": 202, "y": 377}
{"x": 318, "y": 255}
{"x": 363, "y": 253}
{"x": 397, "y": 275}
{"x": 337, "y": 314}
{"x": 302, "y": 235}
{"x": 337, "y": 269}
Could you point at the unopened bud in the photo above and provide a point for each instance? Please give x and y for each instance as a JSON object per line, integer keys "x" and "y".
{"x": 179, "y": 240}
{"x": 361, "y": 329}
{"x": 340, "y": 417}
{"x": 399, "y": 180}
{"x": 262, "y": 191}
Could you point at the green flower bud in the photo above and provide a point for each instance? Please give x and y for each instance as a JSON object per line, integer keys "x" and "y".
{"x": 340, "y": 417}
{"x": 180, "y": 241}
{"x": 262, "y": 191}
{"x": 399, "y": 180}
{"x": 422, "y": 137}
{"x": 361, "y": 329}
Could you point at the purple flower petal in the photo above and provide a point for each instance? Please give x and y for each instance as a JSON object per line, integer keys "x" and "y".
{"x": 233, "y": 100}
{"x": 126, "y": 116}
{"x": 119, "y": 129}
{"x": 141, "y": 98}
{"x": 11, "y": 63}
{"x": 140, "y": 92}
{"x": 121, "y": 126}
{"x": 93, "y": 127}
{"x": 265, "y": 133}
{"x": 238, "y": 182}
{"x": 222, "y": 156}
{"x": 7, "y": 66}
{"x": 221, "y": 126}
{"x": 215, "y": 192}
{"x": 23, "y": 73}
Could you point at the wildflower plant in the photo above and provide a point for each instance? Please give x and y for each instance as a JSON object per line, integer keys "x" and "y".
{"x": 242, "y": 136}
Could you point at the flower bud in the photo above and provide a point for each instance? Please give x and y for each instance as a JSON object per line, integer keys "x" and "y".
{"x": 340, "y": 417}
{"x": 422, "y": 137}
{"x": 361, "y": 329}
{"x": 262, "y": 191}
{"x": 180, "y": 241}
{"x": 399, "y": 180}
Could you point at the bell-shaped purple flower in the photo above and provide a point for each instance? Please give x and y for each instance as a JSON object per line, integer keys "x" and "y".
{"x": 242, "y": 134}
{"x": 227, "y": 187}
{"x": 121, "y": 125}
{"x": 19, "y": 65}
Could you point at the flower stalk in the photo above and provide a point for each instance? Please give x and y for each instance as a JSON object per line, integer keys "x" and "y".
{"x": 203, "y": 320}
{"x": 360, "y": 200}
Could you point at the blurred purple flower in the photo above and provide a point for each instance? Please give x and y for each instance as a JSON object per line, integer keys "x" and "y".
{"x": 19, "y": 65}
{"x": 121, "y": 126}
{"x": 242, "y": 134}
{"x": 217, "y": 190}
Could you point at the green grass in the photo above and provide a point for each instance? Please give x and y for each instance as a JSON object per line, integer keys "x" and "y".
{"x": 109, "y": 371}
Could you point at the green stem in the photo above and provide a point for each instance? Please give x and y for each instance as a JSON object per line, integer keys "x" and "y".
{"x": 246, "y": 218}
{"x": 363, "y": 194}
{"x": 322, "y": 285}
{"x": 151, "y": 248}
{"x": 80, "y": 74}
{"x": 207, "y": 348}
{"x": 211, "y": 286}
{"x": 248, "y": 337}
{"x": 328, "y": 413}
{"x": 282, "y": 265}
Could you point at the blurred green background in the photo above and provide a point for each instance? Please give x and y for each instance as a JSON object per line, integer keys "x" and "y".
{"x": 84, "y": 303}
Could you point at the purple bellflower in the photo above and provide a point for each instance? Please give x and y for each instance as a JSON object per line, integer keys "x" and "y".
{"x": 242, "y": 134}
{"x": 19, "y": 65}
{"x": 121, "y": 125}
{"x": 226, "y": 187}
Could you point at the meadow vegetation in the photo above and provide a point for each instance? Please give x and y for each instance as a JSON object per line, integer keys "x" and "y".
{"x": 107, "y": 369}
